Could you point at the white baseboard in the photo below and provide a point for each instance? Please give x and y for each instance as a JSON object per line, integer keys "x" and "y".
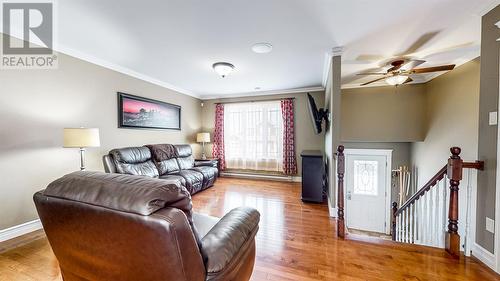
{"x": 18, "y": 230}
{"x": 332, "y": 211}
{"x": 261, "y": 176}
{"x": 484, "y": 256}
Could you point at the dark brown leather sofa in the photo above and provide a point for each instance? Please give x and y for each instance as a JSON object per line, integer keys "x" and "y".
{"x": 164, "y": 161}
{"x": 121, "y": 227}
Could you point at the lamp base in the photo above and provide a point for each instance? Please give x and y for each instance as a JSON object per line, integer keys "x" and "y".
{"x": 203, "y": 156}
{"x": 82, "y": 159}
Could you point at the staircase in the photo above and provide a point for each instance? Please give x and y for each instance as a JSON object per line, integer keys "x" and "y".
{"x": 430, "y": 216}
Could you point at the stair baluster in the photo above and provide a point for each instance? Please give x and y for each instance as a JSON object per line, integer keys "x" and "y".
{"x": 430, "y": 216}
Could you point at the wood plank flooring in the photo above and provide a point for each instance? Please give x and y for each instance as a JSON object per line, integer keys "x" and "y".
{"x": 296, "y": 241}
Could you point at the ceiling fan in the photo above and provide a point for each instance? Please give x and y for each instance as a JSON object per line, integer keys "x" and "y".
{"x": 400, "y": 70}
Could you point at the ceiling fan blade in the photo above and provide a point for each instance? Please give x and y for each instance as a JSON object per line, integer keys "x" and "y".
{"x": 421, "y": 41}
{"x": 372, "y": 73}
{"x": 373, "y": 81}
{"x": 411, "y": 65}
{"x": 408, "y": 80}
{"x": 433, "y": 69}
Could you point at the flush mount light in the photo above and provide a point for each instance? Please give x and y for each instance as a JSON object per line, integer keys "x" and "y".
{"x": 262, "y": 48}
{"x": 223, "y": 68}
{"x": 396, "y": 80}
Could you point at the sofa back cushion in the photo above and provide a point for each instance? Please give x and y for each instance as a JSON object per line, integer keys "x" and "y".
{"x": 119, "y": 225}
{"x": 164, "y": 157}
{"x": 134, "y": 161}
{"x": 184, "y": 156}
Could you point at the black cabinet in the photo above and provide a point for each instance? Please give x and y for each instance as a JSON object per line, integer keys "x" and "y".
{"x": 313, "y": 175}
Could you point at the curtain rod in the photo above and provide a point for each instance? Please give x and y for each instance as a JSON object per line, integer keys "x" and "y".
{"x": 254, "y": 100}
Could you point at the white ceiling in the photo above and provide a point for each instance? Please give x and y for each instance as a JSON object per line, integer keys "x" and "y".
{"x": 175, "y": 42}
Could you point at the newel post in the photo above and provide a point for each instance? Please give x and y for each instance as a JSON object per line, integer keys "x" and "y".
{"x": 394, "y": 211}
{"x": 340, "y": 191}
{"x": 454, "y": 172}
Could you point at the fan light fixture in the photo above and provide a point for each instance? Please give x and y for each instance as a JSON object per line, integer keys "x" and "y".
{"x": 223, "y": 68}
{"x": 396, "y": 80}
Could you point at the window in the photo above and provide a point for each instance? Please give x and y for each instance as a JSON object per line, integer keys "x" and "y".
{"x": 253, "y": 136}
{"x": 365, "y": 177}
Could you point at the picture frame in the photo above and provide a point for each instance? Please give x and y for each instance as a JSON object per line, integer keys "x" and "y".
{"x": 135, "y": 112}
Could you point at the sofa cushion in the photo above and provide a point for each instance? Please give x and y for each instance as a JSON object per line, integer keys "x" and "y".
{"x": 209, "y": 174}
{"x": 164, "y": 157}
{"x": 126, "y": 193}
{"x": 185, "y": 162}
{"x": 178, "y": 178}
{"x": 134, "y": 161}
{"x": 194, "y": 180}
{"x": 183, "y": 150}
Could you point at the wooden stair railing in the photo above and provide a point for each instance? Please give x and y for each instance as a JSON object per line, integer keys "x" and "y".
{"x": 340, "y": 191}
{"x": 453, "y": 170}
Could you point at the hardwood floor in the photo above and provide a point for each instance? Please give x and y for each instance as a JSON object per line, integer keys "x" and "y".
{"x": 296, "y": 241}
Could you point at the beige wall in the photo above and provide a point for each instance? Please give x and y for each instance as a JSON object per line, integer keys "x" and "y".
{"x": 305, "y": 137}
{"x": 383, "y": 114}
{"x": 452, "y": 102}
{"x": 37, "y": 104}
{"x": 487, "y": 149}
{"x": 452, "y": 105}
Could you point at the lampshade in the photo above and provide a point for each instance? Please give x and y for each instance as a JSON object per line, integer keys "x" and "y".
{"x": 81, "y": 137}
{"x": 203, "y": 137}
{"x": 396, "y": 80}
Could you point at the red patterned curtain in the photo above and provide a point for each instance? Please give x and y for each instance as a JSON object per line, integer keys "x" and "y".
{"x": 289, "y": 159}
{"x": 218, "y": 145}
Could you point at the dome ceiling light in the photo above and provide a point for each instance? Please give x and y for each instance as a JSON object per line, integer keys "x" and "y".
{"x": 223, "y": 68}
{"x": 262, "y": 48}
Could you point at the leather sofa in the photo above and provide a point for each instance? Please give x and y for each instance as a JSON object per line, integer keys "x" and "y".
{"x": 120, "y": 227}
{"x": 164, "y": 161}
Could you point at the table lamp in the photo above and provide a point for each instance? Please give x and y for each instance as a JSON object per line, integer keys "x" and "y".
{"x": 81, "y": 138}
{"x": 203, "y": 138}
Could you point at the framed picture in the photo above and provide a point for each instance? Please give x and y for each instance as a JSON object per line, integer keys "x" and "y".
{"x": 142, "y": 113}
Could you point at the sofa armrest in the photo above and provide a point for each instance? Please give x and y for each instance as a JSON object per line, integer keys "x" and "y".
{"x": 229, "y": 238}
{"x": 199, "y": 163}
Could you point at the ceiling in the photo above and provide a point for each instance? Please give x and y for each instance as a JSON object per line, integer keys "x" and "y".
{"x": 175, "y": 42}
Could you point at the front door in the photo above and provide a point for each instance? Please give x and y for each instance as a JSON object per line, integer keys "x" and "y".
{"x": 366, "y": 183}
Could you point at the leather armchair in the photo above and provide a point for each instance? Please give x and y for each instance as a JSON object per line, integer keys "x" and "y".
{"x": 122, "y": 227}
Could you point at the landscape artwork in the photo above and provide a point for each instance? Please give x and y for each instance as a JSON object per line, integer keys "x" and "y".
{"x": 143, "y": 113}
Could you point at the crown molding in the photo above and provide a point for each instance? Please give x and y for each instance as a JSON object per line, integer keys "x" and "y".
{"x": 122, "y": 69}
{"x": 488, "y": 7}
{"x": 265, "y": 93}
{"x": 58, "y": 48}
{"x": 334, "y": 52}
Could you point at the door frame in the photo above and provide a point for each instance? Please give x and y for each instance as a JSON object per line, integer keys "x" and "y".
{"x": 388, "y": 179}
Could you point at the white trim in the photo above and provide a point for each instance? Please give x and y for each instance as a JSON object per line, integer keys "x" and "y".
{"x": 265, "y": 93}
{"x": 488, "y": 7}
{"x": 336, "y": 51}
{"x": 118, "y": 68}
{"x": 326, "y": 68}
{"x": 260, "y": 176}
{"x": 378, "y": 152}
{"x": 332, "y": 211}
{"x": 18, "y": 230}
{"x": 483, "y": 255}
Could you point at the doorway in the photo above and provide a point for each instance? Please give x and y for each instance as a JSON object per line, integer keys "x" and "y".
{"x": 368, "y": 186}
